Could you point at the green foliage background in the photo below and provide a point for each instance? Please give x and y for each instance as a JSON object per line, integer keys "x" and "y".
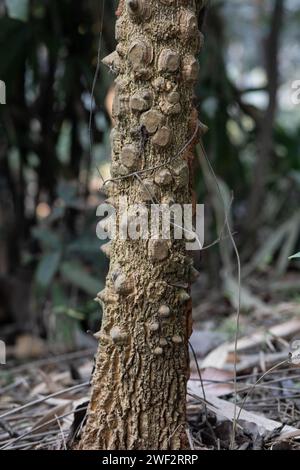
{"x": 49, "y": 182}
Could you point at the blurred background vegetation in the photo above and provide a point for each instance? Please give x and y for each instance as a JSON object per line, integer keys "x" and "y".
{"x": 51, "y": 266}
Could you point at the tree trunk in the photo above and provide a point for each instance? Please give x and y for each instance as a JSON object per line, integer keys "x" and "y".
{"x": 139, "y": 385}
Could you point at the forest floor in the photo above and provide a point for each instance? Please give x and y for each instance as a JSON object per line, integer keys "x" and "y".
{"x": 43, "y": 401}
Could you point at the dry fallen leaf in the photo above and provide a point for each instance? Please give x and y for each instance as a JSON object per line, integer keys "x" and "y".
{"x": 283, "y": 330}
{"x": 220, "y": 381}
{"x": 216, "y": 358}
{"x": 215, "y": 381}
{"x": 29, "y": 347}
{"x": 225, "y": 409}
{"x": 47, "y": 421}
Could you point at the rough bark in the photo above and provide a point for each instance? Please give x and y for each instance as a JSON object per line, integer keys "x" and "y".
{"x": 139, "y": 385}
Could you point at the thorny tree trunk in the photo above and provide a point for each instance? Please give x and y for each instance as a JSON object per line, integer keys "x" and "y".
{"x": 139, "y": 385}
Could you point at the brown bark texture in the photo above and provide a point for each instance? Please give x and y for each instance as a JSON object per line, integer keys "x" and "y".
{"x": 138, "y": 396}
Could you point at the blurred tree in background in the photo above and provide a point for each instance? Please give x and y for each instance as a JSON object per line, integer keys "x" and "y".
{"x": 50, "y": 263}
{"x": 49, "y": 254}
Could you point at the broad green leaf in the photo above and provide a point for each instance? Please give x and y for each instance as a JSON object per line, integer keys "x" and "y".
{"x": 63, "y": 146}
{"x": 79, "y": 277}
{"x": 297, "y": 255}
{"x": 47, "y": 268}
{"x": 48, "y": 238}
{"x": 70, "y": 312}
{"x": 84, "y": 245}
